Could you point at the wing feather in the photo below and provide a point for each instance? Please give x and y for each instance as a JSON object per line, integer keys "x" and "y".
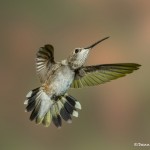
{"x": 98, "y": 74}
{"x": 44, "y": 61}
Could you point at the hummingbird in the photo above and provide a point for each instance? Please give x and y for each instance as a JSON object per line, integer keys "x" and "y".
{"x": 50, "y": 102}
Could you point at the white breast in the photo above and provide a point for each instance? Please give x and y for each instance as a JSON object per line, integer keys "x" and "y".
{"x": 62, "y": 80}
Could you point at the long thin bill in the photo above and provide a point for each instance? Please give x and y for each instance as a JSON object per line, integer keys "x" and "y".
{"x": 91, "y": 46}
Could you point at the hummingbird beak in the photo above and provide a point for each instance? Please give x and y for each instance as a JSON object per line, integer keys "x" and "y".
{"x": 93, "y": 45}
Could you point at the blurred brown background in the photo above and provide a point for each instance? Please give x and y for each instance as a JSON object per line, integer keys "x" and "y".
{"x": 113, "y": 115}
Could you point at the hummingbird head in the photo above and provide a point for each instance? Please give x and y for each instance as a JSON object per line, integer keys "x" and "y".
{"x": 79, "y": 55}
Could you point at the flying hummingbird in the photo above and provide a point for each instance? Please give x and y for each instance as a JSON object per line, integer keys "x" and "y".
{"x": 50, "y": 102}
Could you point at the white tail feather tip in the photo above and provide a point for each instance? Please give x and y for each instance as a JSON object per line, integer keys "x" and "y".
{"x": 26, "y": 102}
{"x": 75, "y": 113}
{"x": 78, "y": 105}
{"x": 29, "y": 94}
{"x": 69, "y": 121}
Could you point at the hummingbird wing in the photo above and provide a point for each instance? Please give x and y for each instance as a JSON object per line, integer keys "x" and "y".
{"x": 44, "y": 61}
{"x": 98, "y": 74}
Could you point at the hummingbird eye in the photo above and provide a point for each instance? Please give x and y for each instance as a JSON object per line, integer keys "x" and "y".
{"x": 76, "y": 50}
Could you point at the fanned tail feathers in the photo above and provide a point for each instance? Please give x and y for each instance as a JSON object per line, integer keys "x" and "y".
{"x": 46, "y": 110}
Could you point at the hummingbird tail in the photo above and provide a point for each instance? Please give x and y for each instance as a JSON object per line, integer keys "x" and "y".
{"x": 64, "y": 107}
{"x": 46, "y": 109}
{"x": 39, "y": 103}
{"x": 67, "y": 107}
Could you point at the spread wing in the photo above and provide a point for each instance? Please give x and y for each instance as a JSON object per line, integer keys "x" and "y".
{"x": 44, "y": 61}
{"x": 98, "y": 74}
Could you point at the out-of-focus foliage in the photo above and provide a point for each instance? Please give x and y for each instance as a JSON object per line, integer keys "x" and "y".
{"x": 114, "y": 115}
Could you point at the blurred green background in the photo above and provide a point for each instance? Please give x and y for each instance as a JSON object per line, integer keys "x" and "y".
{"x": 114, "y": 115}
